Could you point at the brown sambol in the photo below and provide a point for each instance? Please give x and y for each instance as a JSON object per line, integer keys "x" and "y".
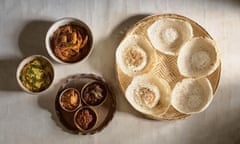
{"x": 70, "y": 43}
{"x": 85, "y": 118}
{"x": 94, "y": 93}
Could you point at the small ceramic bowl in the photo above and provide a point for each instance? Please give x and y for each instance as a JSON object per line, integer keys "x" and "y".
{"x": 62, "y": 41}
{"x": 94, "y": 93}
{"x": 85, "y": 118}
{"x": 35, "y": 74}
{"x": 70, "y": 100}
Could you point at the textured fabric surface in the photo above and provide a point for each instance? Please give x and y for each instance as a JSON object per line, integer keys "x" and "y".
{"x": 28, "y": 118}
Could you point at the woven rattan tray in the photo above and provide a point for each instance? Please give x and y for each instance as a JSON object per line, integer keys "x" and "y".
{"x": 166, "y": 66}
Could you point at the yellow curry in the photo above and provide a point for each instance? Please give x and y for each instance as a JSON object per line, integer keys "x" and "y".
{"x": 37, "y": 75}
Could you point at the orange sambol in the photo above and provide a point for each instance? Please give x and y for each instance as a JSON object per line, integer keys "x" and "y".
{"x": 70, "y": 43}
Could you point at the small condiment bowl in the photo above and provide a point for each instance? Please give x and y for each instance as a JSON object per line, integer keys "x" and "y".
{"x": 62, "y": 22}
{"x": 24, "y": 63}
{"x": 86, "y": 111}
{"x": 65, "y": 106}
{"x": 98, "y": 102}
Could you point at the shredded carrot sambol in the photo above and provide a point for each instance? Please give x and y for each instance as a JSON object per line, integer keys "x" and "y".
{"x": 68, "y": 42}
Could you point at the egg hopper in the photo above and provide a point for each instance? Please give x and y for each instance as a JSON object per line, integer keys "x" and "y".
{"x": 104, "y": 112}
{"x": 166, "y": 66}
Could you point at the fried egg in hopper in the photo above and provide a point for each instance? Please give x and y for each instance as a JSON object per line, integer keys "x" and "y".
{"x": 168, "y": 35}
{"x": 149, "y": 95}
{"x": 135, "y": 56}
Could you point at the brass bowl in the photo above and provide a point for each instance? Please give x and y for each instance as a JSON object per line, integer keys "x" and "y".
{"x": 105, "y": 93}
{"x": 79, "y": 100}
{"x": 92, "y": 124}
{"x": 104, "y": 111}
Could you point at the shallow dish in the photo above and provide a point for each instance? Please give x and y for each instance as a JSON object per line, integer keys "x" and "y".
{"x": 35, "y": 74}
{"x": 69, "y": 40}
{"x": 104, "y": 111}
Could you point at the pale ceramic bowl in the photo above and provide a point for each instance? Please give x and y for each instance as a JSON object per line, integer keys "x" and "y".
{"x": 21, "y": 66}
{"x": 62, "y": 22}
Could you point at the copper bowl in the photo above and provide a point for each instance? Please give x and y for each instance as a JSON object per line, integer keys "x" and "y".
{"x": 95, "y": 96}
{"x": 70, "y": 107}
{"x": 88, "y": 118}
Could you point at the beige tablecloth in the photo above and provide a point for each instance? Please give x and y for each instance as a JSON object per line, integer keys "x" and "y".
{"x": 28, "y": 118}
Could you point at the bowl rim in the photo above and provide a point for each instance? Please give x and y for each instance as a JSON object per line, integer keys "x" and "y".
{"x": 89, "y": 83}
{"x": 61, "y": 22}
{"x": 23, "y": 63}
{"x": 79, "y": 99}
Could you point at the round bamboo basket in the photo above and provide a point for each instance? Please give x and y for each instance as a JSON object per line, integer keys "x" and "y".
{"x": 166, "y": 66}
